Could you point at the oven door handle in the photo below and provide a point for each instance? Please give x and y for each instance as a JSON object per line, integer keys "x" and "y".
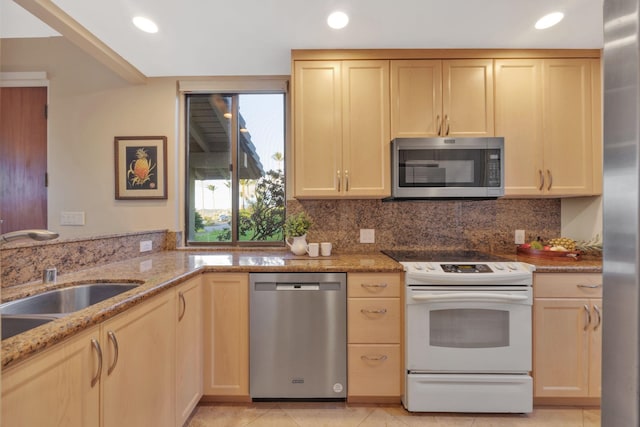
{"x": 470, "y": 296}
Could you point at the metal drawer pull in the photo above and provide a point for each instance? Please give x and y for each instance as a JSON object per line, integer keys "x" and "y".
{"x": 470, "y": 296}
{"x": 596, "y": 309}
{"x": 588, "y": 313}
{"x": 96, "y": 346}
{"x": 373, "y": 310}
{"x": 114, "y": 341}
{"x": 590, "y": 286}
{"x": 373, "y": 285}
{"x": 184, "y": 306}
{"x": 339, "y": 181}
{"x": 377, "y": 358}
{"x": 346, "y": 180}
{"x": 550, "y": 180}
{"x": 439, "y": 124}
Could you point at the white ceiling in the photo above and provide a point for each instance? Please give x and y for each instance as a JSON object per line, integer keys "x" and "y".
{"x": 244, "y": 37}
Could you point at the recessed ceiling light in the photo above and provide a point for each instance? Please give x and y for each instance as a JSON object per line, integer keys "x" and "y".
{"x": 145, "y": 24}
{"x": 549, "y": 20}
{"x": 338, "y": 20}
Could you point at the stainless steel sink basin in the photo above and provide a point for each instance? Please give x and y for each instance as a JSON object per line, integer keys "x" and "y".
{"x": 65, "y": 300}
{"x": 14, "y": 325}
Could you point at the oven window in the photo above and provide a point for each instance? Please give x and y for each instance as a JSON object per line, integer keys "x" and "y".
{"x": 469, "y": 328}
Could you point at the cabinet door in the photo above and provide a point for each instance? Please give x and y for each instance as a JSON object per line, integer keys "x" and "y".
{"x": 568, "y": 139}
{"x": 561, "y": 347}
{"x": 595, "y": 350}
{"x": 317, "y": 123}
{"x": 189, "y": 349}
{"x": 416, "y": 98}
{"x": 226, "y": 328}
{"x": 138, "y": 379}
{"x": 365, "y": 134}
{"x": 54, "y": 387}
{"x": 518, "y": 118}
{"x": 467, "y": 97}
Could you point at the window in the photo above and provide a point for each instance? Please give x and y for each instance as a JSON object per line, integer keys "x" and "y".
{"x": 235, "y": 168}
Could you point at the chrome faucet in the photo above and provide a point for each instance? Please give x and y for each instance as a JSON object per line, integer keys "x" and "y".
{"x": 39, "y": 235}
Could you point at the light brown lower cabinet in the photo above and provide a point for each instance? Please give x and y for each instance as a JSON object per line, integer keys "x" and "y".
{"x": 120, "y": 373}
{"x": 374, "y": 313}
{"x": 226, "y": 336}
{"x": 567, "y": 313}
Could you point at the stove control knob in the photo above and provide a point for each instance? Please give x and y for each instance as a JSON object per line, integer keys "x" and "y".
{"x": 430, "y": 266}
{"x": 418, "y": 267}
{"x": 499, "y": 266}
{"x": 512, "y": 266}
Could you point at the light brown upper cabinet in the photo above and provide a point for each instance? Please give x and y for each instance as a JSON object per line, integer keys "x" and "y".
{"x": 341, "y": 129}
{"x": 549, "y": 112}
{"x": 433, "y": 98}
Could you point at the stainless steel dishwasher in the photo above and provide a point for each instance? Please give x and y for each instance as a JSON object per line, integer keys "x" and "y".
{"x": 298, "y": 336}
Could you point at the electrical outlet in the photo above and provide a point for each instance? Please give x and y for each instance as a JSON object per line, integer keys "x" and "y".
{"x": 519, "y": 237}
{"x": 71, "y": 218}
{"x": 146, "y": 245}
{"x": 367, "y": 235}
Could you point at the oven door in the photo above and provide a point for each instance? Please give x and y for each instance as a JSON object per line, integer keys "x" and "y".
{"x": 472, "y": 329}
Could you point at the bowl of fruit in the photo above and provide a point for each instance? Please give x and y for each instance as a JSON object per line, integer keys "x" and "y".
{"x": 560, "y": 247}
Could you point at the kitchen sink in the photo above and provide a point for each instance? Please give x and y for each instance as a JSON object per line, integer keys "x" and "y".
{"x": 65, "y": 300}
{"x": 14, "y": 325}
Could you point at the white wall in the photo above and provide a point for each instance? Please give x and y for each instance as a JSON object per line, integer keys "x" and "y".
{"x": 88, "y": 107}
{"x": 581, "y": 217}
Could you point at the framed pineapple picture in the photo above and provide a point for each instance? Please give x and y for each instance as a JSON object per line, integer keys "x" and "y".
{"x": 141, "y": 167}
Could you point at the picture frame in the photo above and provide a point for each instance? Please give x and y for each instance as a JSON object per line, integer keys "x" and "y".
{"x": 140, "y": 167}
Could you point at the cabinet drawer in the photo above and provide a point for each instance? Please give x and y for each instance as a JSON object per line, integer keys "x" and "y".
{"x": 373, "y": 320}
{"x": 567, "y": 285}
{"x": 374, "y": 370}
{"x": 373, "y": 285}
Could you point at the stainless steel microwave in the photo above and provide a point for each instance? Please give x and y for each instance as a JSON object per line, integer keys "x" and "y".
{"x": 447, "y": 168}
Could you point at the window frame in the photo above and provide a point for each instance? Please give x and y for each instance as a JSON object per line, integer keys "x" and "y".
{"x": 229, "y": 86}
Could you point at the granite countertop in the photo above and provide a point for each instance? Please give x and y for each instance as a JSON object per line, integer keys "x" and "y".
{"x": 160, "y": 271}
{"x": 157, "y": 273}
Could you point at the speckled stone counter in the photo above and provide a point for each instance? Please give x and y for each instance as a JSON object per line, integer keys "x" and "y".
{"x": 157, "y": 273}
{"x": 586, "y": 264}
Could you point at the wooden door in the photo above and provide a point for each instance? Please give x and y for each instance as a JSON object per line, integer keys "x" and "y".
{"x": 568, "y": 140}
{"x": 23, "y": 158}
{"x": 365, "y": 136}
{"x": 226, "y": 328}
{"x": 54, "y": 388}
{"x": 416, "y": 98}
{"x": 189, "y": 349}
{"x": 467, "y": 97}
{"x": 561, "y": 347}
{"x": 140, "y": 389}
{"x": 317, "y": 124}
{"x": 518, "y": 118}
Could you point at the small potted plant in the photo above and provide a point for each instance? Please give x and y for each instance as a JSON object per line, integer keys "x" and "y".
{"x": 296, "y": 226}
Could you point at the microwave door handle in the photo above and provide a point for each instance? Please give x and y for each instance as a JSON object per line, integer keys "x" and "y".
{"x": 470, "y": 296}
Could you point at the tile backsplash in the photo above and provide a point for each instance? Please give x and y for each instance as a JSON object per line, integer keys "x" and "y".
{"x": 486, "y": 225}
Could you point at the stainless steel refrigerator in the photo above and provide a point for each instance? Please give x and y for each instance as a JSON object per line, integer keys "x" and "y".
{"x": 621, "y": 215}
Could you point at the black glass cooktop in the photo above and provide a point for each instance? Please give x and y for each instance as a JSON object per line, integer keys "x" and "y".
{"x": 442, "y": 256}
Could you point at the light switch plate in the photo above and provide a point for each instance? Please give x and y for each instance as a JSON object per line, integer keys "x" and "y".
{"x": 71, "y": 218}
{"x": 367, "y": 235}
{"x": 519, "y": 238}
{"x": 146, "y": 245}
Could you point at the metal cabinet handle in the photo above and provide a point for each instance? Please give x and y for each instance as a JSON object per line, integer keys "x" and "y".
{"x": 550, "y": 180}
{"x": 184, "y": 306}
{"x": 590, "y": 286}
{"x": 598, "y": 313}
{"x": 346, "y": 180}
{"x": 588, "y": 313}
{"x": 446, "y": 121}
{"x": 541, "y": 176}
{"x": 114, "y": 341}
{"x": 96, "y": 346}
{"x": 373, "y": 285}
{"x": 377, "y": 358}
{"x": 439, "y": 124}
{"x": 339, "y": 181}
{"x": 373, "y": 311}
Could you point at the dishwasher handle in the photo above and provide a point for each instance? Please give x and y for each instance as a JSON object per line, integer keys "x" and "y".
{"x": 297, "y": 286}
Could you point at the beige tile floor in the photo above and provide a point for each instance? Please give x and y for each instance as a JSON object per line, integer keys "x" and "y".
{"x": 345, "y": 415}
